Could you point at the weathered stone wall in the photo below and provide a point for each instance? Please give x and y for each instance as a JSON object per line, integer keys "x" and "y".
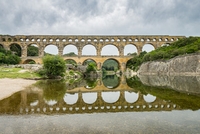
{"x": 182, "y": 65}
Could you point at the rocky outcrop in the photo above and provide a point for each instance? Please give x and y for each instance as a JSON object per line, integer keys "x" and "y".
{"x": 181, "y": 65}
{"x": 33, "y": 67}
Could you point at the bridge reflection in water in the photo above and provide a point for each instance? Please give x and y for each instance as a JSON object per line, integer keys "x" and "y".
{"x": 79, "y": 100}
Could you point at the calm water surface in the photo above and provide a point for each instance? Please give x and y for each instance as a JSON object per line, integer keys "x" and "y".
{"x": 112, "y": 105}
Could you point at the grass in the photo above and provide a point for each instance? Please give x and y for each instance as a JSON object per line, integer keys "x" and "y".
{"x": 17, "y": 73}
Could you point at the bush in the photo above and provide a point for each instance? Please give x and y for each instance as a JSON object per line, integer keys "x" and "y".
{"x": 6, "y": 57}
{"x": 91, "y": 67}
{"x": 54, "y": 66}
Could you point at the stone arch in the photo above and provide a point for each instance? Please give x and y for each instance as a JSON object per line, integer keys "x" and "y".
{"x": 71, "y": 98}
{"x": 70, "y": 61}
{"x": 111, "y": 66}
{"x": 110, "y": 97}
{"x": 113, "y": 60}
{"x": 165, "y": 44}
{"x": 89, "y": 49}
{"x": 51, "y": 49}
{"x": 148, "y": 47}
{"x": 15, "y": 39}
{"x": 29, "y": 61}
{"x": 70, "y": 50}
{"x": 91, "y": 83}
{"x": 110, "y": 49}
{"x": 33, "y": 50}
{"x": 131, "y": 97}
{"x": 16, "y": 48}
{"x": 111, "y": 81}
{"x": 50, "y": 102}
{"x": 9, "y": 39}
{"x": 87, "y": 61}
{"x": 149, "y": 98}
{"x": 130, "y": 49}
{"x": 89, "y": 98}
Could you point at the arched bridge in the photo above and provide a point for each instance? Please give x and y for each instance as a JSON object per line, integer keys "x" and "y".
{"x": 80, "y": 104}
{"x": 80, "y": 41}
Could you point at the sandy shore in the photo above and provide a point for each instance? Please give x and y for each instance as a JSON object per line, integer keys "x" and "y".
{"x": 11, "y": 86}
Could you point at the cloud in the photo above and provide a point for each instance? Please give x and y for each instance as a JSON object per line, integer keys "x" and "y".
{"x": 173, "y": 17}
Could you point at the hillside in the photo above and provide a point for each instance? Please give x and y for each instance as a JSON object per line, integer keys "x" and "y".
{"x": 181, "y": 47}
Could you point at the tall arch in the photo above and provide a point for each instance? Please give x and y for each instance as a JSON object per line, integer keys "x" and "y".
{"x": 87, "y": 61}
{"x": 70, "y": 61}
{"x": 71, "y": 98}
{"x": 89, "y": 98}
{"x": 111, "y": 62}
{"x": 70, "y": 50}
{"x": 148, "y": 48}
{"x": 89, "y": 50}
{"x": 109, "y": 69}
{"x": 110, "y": 50}
{"x": 32, "y": 50}
{"x": 130, "y": 49}
{"x": 51, "y": 49}
{"x": 110, "y": 97}
{"x": 16, "y": 48}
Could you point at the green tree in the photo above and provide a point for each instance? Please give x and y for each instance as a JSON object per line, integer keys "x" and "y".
{"x": 91, "y": 67}
{"x": 7, "y": 57}
{"x": 54, "y": 66}
{"x": 16, "y": 49}
{"x": 32, "y": 51}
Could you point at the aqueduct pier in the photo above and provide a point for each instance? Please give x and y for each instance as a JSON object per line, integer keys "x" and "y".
{"x": 80, "y": 41}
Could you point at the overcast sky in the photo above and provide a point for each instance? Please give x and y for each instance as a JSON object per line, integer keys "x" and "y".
{"x": 100, "y": 17}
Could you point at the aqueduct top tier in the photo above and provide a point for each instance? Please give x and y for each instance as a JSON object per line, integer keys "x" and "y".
{"x": 98, "y": 41}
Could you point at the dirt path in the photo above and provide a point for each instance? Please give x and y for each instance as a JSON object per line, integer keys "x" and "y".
{"x": 11, "y": 86}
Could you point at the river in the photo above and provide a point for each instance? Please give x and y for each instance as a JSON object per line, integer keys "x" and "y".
{"x": 112, "y": 104}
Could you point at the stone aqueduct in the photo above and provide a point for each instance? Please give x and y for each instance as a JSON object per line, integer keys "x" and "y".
{"x": 80, "y": 106}
{"x": 79, "y": 41}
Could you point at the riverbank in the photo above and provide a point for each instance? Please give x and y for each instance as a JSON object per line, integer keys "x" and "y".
{"x": 10, "y": 86}
{"x": 181, "y": 65}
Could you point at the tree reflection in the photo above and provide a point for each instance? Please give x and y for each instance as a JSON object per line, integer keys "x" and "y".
{"x": 91, "y": 83}
{"x": 184, "y": 100}
{"x": 111, "y": 81}
{"x": 52, "y": 89}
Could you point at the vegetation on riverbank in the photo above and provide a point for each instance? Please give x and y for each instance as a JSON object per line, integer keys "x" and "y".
{"x": 8, "y": 57}
{"x": 53, "y": 66}
{"x": 6, "y": 72}
{"x": 181, "y": 47}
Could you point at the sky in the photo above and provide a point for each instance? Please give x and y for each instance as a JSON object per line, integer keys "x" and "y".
{"x": 100, "y": 17}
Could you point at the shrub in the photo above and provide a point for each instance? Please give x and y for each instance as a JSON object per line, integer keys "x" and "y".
{"x": 54, "y": 66}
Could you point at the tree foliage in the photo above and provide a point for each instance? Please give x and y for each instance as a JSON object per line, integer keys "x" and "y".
{"x": 111, "y": 65}
{"x": 70, "y": 61}
{"x": 16, "y": 49}
{"x": 54, "y": 66}
{"x": 32, "y": 51}
{"x": 70, "y": 54}
{"x": 91, "y": 67}
{"x": 7, "y": 57}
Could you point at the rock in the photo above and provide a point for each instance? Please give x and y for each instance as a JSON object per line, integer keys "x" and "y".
{"x": 181, "y": 65}
{"x": 32, "y": 67}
